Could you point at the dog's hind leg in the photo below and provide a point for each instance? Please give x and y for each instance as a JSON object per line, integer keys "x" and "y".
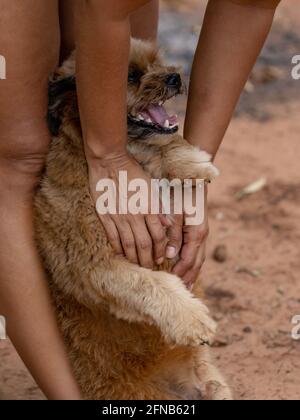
{"x": 211, "y": 380}
{"x": 156, "y": 297}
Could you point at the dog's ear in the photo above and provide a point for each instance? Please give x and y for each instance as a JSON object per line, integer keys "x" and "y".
{"x": 58, "y": 88}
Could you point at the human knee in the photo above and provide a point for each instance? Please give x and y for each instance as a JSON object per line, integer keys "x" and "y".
{"x": 23, "y": 155}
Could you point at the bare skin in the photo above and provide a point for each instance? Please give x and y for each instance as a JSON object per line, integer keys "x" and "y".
{"x": 141, "y": 28}
{"x": 24, "y": 140}
{"x": 237, "y": 34}
{"x": 67, "y": 28}
{"x": 144, "y": 22}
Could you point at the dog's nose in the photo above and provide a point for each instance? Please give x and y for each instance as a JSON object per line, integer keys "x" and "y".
{"x": 174, "y": 80}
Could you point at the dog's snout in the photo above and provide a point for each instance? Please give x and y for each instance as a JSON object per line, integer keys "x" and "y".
{"x": 174, "y": 80}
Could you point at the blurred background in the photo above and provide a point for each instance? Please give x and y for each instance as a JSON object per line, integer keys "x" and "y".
{"x": 251, "y": 276}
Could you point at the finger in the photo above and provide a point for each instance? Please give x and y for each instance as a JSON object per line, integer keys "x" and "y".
{"x": 165, "y": 221}
{"x": 194, "y": 238}
{"x": 196, "y": 233}
{"x": 112, "y": 234}
{"x": 187, "y": 259}
{"x": 159, "y": 238}
{"x": 143, "y": 242}
{"x": 192, "y": 275}
{"x": 127, "y": 240}
{"x": 175, "y": 237}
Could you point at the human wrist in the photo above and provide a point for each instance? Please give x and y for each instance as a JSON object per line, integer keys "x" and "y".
{"x": 116, "y": 160}
{"x": 104, "y": 155}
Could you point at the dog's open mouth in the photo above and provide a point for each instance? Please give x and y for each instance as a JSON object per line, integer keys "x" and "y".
{"x": 151, "y": 121}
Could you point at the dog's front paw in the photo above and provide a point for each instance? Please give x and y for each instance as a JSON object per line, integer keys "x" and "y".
{"x": 192, "y": 327}
{"x": 195, "y": 164}
{"x": 203, "y": 167}
{"x": 207, "y": 171}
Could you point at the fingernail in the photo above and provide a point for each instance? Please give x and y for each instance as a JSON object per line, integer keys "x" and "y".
{"x": 160, "y": 261}
{"x": 171, "y": 252}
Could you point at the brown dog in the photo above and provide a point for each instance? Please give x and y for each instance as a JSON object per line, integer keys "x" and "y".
{"x": 131, "y": 333}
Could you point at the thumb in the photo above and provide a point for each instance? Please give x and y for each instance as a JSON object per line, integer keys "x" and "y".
{"x": 175, "y": 236}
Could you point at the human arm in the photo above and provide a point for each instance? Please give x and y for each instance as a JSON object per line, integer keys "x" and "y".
{"x": 232, "y": 37}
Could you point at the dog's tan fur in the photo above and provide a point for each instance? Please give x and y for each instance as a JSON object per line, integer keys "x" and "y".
{"x": 131, "y": 333}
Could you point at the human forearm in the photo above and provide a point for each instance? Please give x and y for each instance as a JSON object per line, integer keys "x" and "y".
{"x": 102, "y": 67}
{"x": 144, "y": 22}
{"x": 230, "y": 42}
{"x": 103, "y": 41}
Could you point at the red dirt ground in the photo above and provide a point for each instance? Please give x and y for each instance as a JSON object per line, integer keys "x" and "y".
{"x": 255, "y": 292}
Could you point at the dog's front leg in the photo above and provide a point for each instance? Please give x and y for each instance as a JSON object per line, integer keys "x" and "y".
{"x": 158, "y": 297}
{"x": 184, "y": 161}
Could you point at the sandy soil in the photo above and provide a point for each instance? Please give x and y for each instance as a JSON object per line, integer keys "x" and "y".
{"x": 255, "y": 291}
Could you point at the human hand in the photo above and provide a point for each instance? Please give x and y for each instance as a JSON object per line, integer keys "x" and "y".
{"x": 141, "y": 238}
{"x": 193, "y": 252}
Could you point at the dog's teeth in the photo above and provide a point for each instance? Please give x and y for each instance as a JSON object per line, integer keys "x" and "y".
{"x": 140, "y": 117}
{"x": 149, "y": 120}
{"x": 161, "y": 103}
{"x": 167, "y": 124}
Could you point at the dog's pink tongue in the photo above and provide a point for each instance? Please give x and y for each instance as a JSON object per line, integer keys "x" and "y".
{"x": 158, "y": 114}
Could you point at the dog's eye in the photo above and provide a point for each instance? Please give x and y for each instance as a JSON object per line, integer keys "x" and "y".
{"x": 134, "y": 76}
